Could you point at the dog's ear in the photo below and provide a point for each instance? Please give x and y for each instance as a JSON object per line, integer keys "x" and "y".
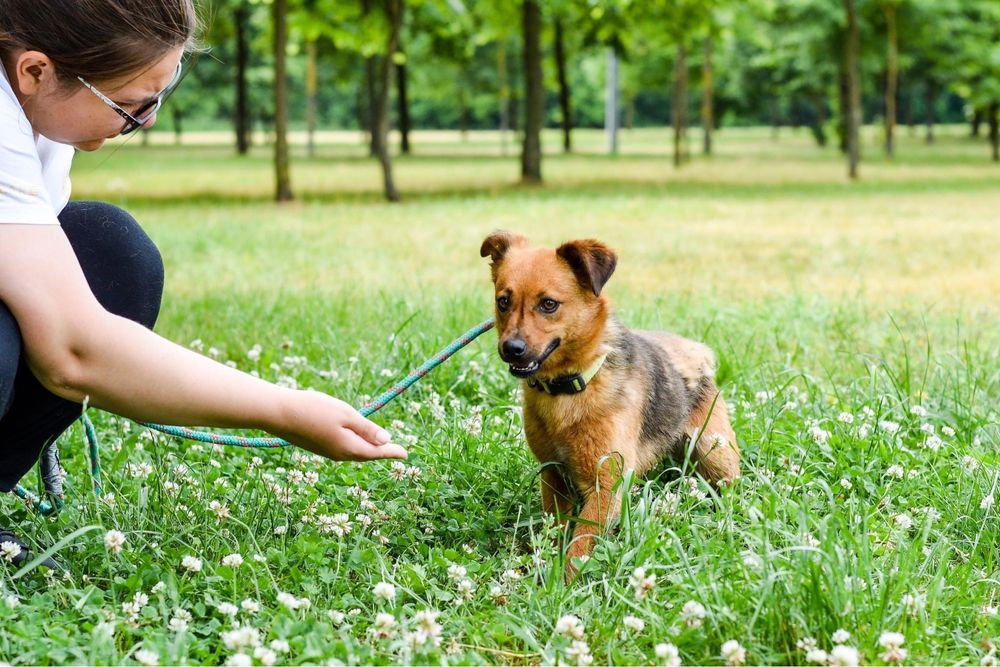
{"x": 496, "y": 245}
{"x": 592, "y": 262}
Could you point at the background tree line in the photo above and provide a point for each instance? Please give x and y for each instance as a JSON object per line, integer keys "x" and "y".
{"x": 520, "y": 66}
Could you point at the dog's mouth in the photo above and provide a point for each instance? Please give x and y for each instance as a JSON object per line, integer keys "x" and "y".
{"x": 527, "y": 369}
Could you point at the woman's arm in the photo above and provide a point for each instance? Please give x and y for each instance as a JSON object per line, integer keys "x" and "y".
{"x": 77, "y": 349}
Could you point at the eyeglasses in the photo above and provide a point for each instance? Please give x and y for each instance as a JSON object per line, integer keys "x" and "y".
{"x": 141, "y": 116}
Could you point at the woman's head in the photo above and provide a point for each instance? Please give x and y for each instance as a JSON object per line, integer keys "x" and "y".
{"x": 127, "y": 49}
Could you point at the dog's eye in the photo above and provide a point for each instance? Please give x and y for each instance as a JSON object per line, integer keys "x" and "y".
{"x": 548, "y": 306}
{"x": 503, "y": 303}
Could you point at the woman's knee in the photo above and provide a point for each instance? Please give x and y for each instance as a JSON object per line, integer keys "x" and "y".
{"x": 122, "y": 264}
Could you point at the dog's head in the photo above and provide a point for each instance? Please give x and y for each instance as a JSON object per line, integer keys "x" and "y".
{"x": 549, "y": 305}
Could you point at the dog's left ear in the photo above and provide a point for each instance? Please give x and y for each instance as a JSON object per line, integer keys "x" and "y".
{"x": 496, "y": 245}
{"x": 592, "y": 262}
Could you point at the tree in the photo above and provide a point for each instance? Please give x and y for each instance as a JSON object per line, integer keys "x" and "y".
{"x": 853, "y": 79}
{"x": 380, "y": 137}
{"x": 564, "y": 99}
{"x": 241, "y": 19}
{"x": 283, "y": 181}
{"x": 890, "y": 8}
{"x": 531, "y": 149}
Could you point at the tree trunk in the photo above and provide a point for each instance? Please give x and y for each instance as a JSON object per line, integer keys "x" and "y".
{"x": 564, "y": 100}
{"x": 891, "y": 76}
{"x": 611, "y": 102}
{"x": 819, "y": 127}
{"x": 975, "y": 122}
{"x": 531, "y": 151}
{"x": 283, "y": 181}
{"x": 851, "y": 46}
{"x": 678, "y": 105}
{"x": 707, "y": 111}
{"x": 371, "y": 103}
{"x": 843, "y": 104}
{"x": 178, "y": 116}
{"x": 240, "y": 18}
{"x": 403, "y": 109}
{"x": 311, "y": 98}
{"x": 463, "y": 109}
{"x": 504, "y": 94}
{"x": 774, "y": 112}
{"x": 930, "y": 97}
{"x": 394, "y": 16}
{"x": 994, "y": 116}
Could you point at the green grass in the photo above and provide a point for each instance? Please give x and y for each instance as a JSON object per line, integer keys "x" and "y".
{"x": 822, "y": 298}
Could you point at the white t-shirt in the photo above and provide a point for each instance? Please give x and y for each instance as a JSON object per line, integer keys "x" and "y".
{"x": 34, "y": 171}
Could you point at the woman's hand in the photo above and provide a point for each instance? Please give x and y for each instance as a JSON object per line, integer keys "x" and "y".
{"x": 330, "y": 427}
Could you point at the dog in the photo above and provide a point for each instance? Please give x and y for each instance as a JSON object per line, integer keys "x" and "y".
{"x": 598, "y": 398}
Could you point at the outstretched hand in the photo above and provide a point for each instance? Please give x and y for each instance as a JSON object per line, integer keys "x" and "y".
{"x": 330, "y": 427}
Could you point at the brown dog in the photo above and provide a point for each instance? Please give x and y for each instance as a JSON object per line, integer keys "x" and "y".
{"x": 598, "y": 398}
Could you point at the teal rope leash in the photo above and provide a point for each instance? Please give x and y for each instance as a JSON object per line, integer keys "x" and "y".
{"x": 377, "y": 404}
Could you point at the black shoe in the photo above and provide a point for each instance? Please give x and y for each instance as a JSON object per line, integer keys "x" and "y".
{"x": 24, "y": 554}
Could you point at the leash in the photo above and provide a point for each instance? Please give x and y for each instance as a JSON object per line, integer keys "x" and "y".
{"x": 46, "y": 508}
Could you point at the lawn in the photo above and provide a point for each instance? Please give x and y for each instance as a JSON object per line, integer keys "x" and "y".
{"x": 857, "y": 327}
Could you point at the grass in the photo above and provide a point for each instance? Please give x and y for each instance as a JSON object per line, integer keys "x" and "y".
{"x": 856, "y": 326}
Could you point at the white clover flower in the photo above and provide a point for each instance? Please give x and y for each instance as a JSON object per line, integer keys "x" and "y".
{"x": 634, "y": 623}
{"x": 817, "y": 656}
{"x": 384, "y": 625}
{"x": 227, "y": 609}
{"x": 987, "y": 502}
{"x": 889, "y": 427}
{"x": 221, "y": 511}
{"x": 918, "y": 411}
{"x": 384, "y": 590}
{"x": 10, "y": 550}
{"x": 864, "y": 431}
{"x": 292, "y": 603}
{"x": 191, "y": 564}
{"x": 239, "y": 660}
{"x": 510, "y": 575}
{"x": 948, "y": 431}
{"x": 242, "y": 637}
{"x": 336, "y": 617}
{"x": 280, "y": 530}
{"x": 693, "y": 613}
{"x": 667, "y": 655}
{"x": 846, "y": 484}
{"x": 232, "y": 560}
{"x": 904, "y": 521}
{"x": 12, "y": 601}
{"x": 338, "y": 524}
{"x": 734, "y": 653}
{"x": 641, "y": 582}
{"x": 398, "y": 471}
{"x": 809, "y": 540}
{"x": 895, "y": 470}
{"x": 456, "y": 572}
{"x": 579, "y": 652}
{"x": 892, "y": 642}
{"x": 105, "y": 629}
{"x": 179, "y": 621}
{"x": 819, "y": 435}
{"x": 280, "y": 646}
{"x": 250, "y": 606}
{"x": 845, "y": 418}
{"x": 265, "y": 656}
{"x": 969, "y": 464}
{"x": 570, "y": 626}
{"x": 840, "y": 636}
{"x": 845, "y": 656}
{"x": 133, "y": 607}
{"x": 466, "y": 589}
{"x": 146, "y": 657}
{"x": 158, "y": 588}
{"x": 989, "y": 610}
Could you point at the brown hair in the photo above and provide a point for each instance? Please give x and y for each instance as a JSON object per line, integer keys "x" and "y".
{"x": 99, "y": 40}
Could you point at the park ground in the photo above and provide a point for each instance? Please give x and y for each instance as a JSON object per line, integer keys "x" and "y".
{"x": 856, "y": 325}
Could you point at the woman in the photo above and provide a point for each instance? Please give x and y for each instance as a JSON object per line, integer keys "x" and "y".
{"x": 80, "y": 282}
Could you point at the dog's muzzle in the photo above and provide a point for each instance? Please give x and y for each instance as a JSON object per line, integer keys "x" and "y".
{"x": 525, "y": 368}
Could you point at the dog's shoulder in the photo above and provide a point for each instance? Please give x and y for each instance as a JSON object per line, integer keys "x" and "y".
{"x": 694, "y": 361}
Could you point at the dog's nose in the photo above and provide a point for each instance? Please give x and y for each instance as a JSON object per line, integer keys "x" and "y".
{"x": 514, "y": 348}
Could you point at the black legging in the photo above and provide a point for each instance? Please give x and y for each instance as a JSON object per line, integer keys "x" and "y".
{"x": 125, "y": 272}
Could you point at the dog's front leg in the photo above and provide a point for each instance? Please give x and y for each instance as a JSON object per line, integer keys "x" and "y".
{"x": 599, "y": 486}
{"x": 557, "y": 498}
